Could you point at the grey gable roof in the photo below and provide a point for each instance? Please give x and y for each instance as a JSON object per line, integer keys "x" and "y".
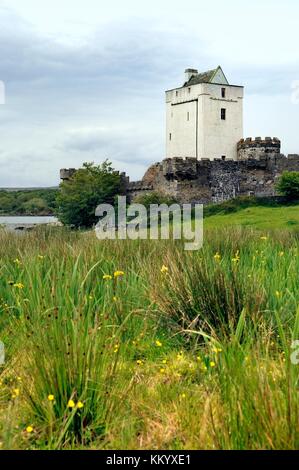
{"x": 205, "y": 77}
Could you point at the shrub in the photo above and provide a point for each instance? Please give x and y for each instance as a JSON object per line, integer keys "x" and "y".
{"x": 288, "y": 184}
{"x": 35, "y": 206}
{"x": 207, "y": 292}
{"x": 155, "y": 198}
{"x": 90, "y": 186}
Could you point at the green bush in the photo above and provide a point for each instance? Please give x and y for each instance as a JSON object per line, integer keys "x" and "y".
{"x": 288, "y": 184}
{"x": 35, "y": 206}
{"x": 79, "y": 197}
{"x": 155, "y": 198}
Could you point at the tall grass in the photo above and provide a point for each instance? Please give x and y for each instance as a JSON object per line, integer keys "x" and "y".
{"x": 194, "y": 355}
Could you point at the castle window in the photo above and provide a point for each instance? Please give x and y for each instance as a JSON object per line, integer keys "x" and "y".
{"x": 176, "y": 93}
{"x": 169, "y": 136}
{"x": 188, "y": 116}
{"x": 223, "y": 114}
{"x": 223, "y": 92}
{"x": 189, "y": 90}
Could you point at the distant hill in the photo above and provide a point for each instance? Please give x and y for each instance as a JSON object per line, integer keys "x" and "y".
{"x": 28, "y": 201}
{"x": 29, "y": 189}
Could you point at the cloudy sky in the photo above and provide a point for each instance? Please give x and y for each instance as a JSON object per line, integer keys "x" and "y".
{"x": 85, "y": 80}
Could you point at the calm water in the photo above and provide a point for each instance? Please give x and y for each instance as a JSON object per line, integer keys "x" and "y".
{"x": 15, "y": 222}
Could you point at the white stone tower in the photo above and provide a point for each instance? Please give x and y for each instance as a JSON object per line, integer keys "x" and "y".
{"x": 204, "y": 117}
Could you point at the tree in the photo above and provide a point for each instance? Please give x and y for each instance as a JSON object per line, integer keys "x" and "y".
{"x": 288, "y": 184}
{"x": 88, "y": 187}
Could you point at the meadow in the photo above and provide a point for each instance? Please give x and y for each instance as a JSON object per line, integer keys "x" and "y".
{"x": 142, "y": 345}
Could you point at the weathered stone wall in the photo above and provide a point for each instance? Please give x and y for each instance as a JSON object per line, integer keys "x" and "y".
{"x": 67, "y": 173}
{"x": 206, "y": 181}
{"x": 258, "y": 147}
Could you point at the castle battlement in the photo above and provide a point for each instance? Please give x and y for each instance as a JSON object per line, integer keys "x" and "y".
{"x": 258, "y": 147}
{"x": 67, "y": 173}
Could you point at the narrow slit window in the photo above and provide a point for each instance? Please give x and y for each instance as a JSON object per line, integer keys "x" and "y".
{"x": 223, "y": 92}
{"x": 188, "y": 116}
{"x": 169, "y": 136}
{"x": 223, "y": 114}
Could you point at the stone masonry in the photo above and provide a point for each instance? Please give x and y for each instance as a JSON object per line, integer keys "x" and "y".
{"x": 205, "y": 181}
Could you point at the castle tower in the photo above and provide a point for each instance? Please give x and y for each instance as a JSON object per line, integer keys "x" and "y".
{"x": 204, "y": 117}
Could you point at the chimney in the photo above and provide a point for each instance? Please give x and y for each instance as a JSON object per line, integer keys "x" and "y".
{"x": 189, "y": 73}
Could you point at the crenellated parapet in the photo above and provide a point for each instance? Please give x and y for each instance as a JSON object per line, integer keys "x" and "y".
{"x": 180, "y": 168}
{"x": 258, "y": 147}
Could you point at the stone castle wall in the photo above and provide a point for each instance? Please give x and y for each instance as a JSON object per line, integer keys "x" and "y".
{"x": 258, "y": 147}
{"x": 205, "y": 181}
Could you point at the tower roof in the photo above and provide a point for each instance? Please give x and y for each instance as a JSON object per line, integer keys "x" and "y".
{"x": 208, "y": 77}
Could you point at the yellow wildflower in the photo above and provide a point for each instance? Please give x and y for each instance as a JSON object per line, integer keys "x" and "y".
{"x": 264, "y": 238}
{"x": 139, "y": 362}
{"x": 80, "y": 405}
{"x": 164, "y": 269}
{"x": 19, "y": 285}
{"x": 17, "y": 262}
{"x": 16, "y": 392}
{"x": 158, "y": 343}
{"x": 118, "y": 274}
{"x": 183, "y": 395}
{"x": 107, "y": 277}
{"x": 41, "y": 257}
{"x": 71, "y": 404}
{"x": 278, "y": 294}
{"x": 29, "y": 429}
{"x": 217, "y": 257}
{"x": 162, "y": 371}
{"x": 212, "y": 364}
{"x": 51, "y": 397}
{"x": 236, "y": 259}
{"x": 281, "y": 253}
